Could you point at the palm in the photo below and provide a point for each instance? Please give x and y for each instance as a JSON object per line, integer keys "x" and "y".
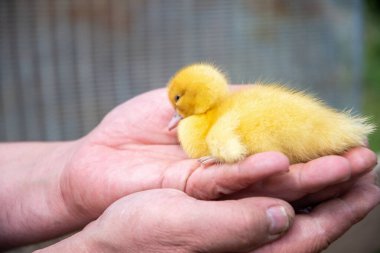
{"x": 131, "y": 150}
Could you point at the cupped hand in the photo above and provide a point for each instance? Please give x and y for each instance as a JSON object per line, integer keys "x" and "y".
{"x": 315, "y": 231}
{"x": 132, "y": 150}
{"x": 168, "y": 220}
{"x": 315, "y": 181}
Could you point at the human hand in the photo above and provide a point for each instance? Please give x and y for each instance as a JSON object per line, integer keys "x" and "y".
{"x": 315, "y": 231}
{"x": 168, "y": 220}
{"x": 315, "y": 181}
{"x": 132, "y": 150}
{"x": 61, "y": 186}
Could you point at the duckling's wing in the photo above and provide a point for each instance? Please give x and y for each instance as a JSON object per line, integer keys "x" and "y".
{"x": 223, "y": 141}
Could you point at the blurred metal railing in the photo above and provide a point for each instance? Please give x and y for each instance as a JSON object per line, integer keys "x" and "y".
{"x": 64, "y": 64}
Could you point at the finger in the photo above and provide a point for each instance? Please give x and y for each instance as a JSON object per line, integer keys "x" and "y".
{"x": 362, "y": 160}
{"x": 304, "y": 179}
{"x": 142, "y": 119}
{"x": 218, "y": 180}
{"x": 328, "y": 221}
{"x": 333, "y": 191}
{"x": 319, "y": 173}
{"x": 330, "y": 192}
{"x": 240, "y": 225}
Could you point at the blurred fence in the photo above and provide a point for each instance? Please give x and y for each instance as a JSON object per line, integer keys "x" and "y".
{"x": 64, "y": 64}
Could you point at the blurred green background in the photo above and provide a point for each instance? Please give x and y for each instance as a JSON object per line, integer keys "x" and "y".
{"x": 371, "y": 80}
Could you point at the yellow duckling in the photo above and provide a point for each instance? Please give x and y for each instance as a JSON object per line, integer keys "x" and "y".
{"x": 221, "y": 126}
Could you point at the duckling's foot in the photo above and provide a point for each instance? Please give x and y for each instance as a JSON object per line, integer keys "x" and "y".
{"x": 209, "y": 160}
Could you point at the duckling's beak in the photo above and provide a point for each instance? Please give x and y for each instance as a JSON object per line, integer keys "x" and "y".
{"x": 174, "y": 121}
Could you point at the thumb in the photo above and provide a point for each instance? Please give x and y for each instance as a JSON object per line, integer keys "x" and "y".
{"x": 240, "y": 225}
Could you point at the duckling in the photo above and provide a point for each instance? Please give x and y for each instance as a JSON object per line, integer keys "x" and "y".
{"x": 218, "y": 125}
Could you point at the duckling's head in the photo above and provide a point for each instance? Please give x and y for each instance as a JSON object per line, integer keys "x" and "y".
{"x": 196, "y": 89}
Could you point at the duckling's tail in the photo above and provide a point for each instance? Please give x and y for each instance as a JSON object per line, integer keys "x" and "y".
{"x": 354, "y": 129}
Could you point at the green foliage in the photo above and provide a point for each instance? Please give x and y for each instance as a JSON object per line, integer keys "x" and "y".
{"x": 371, "y": 100}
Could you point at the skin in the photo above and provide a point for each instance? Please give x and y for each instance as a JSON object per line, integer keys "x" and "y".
{"x": 131, "y": 151}
{"x": 199, "y": 226}
{"x": 217, "y": 226}
{"x": 314, "y": 232}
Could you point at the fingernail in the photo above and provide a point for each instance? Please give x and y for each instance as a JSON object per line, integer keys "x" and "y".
{"x": 279, "y": 220}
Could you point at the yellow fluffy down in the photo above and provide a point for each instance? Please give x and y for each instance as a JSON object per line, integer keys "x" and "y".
{"x": 261, "y": 117}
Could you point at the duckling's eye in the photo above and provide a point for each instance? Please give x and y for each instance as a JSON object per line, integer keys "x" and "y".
{"x": 176, "y": 98}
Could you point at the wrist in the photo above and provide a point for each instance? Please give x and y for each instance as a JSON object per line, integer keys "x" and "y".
{"x": 34, "y": 208}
